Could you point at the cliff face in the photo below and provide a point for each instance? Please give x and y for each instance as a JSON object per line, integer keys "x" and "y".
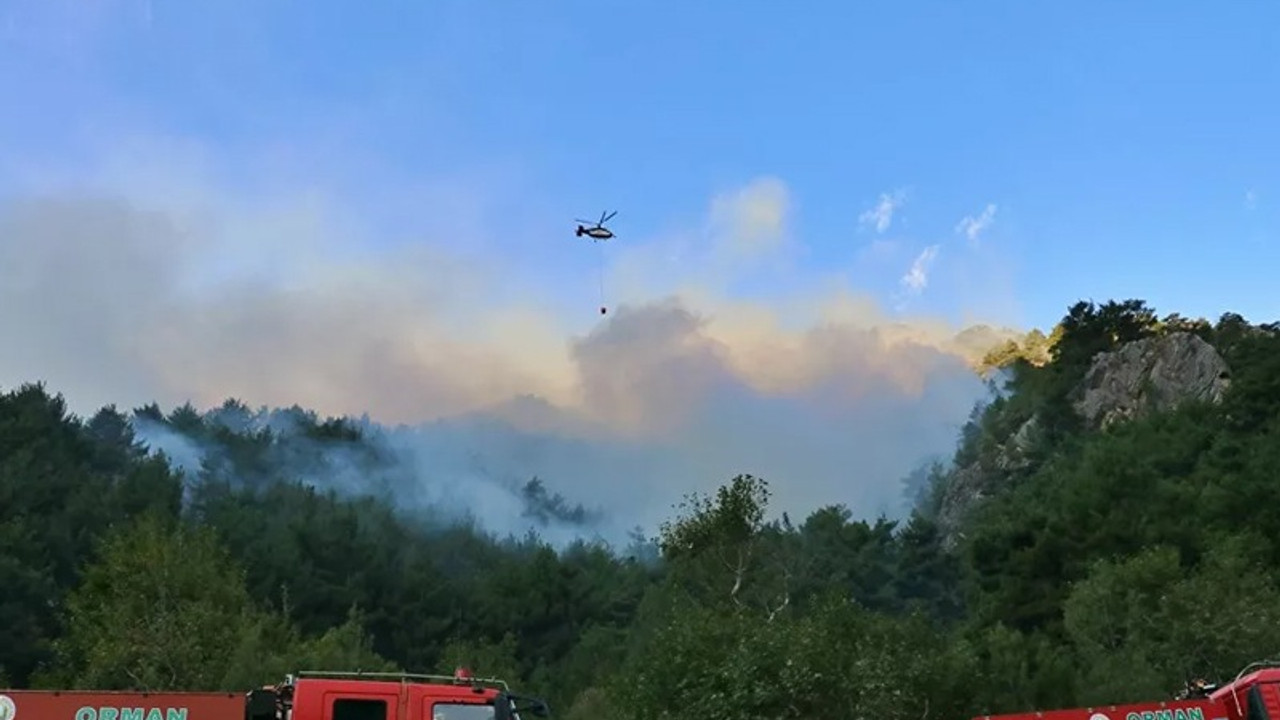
{"x": 1149, "y": 375}
{"x": 1154, "y": 374}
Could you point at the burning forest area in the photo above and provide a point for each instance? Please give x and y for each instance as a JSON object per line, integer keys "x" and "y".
{"x": 221, "y": 550}
{"x": 744, "y": 361}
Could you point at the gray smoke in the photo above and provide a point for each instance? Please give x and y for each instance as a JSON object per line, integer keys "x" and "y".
{"x": 132, "y": 295}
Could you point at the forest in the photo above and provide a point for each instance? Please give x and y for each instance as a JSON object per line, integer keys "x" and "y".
{"x": 1122, "y": 563}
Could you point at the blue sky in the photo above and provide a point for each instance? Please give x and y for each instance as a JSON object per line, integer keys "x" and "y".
{"x": 371, "y": 211}
{"x": 1117, "y": 141}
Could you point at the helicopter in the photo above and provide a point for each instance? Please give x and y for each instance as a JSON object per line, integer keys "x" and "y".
{"x": 598, "y": 231}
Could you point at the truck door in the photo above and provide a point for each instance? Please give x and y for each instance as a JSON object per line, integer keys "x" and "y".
{"x": 361, "y": 706}
{"x": 1264, "y": 702}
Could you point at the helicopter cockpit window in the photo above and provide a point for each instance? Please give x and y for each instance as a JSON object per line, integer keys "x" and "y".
{"x": 461, "y": 711}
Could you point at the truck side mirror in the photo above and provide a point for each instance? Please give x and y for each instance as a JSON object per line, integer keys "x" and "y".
{"x": 502, "y": 707}
{"x": 506, "y": 705}
{"x": 260, "y": 705}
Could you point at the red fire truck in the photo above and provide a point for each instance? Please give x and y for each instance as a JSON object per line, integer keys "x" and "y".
{"x": 303, "y": 696}
{"x": 1253, "y": 695}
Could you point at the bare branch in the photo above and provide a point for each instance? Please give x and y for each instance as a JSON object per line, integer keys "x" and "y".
{"x": 786, "y": 593}
{"x": 786, "y": 600}
{"x": 739, "y": 575}
{"x": 137, "y": 681}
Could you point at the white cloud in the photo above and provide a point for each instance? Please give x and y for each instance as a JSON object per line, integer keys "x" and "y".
{"x": 917, "y": 276}
{"x": 972, "y": 227}
{"x": 881, "y": 216}
{"x": 752, "y": 220}
{"x": 1250, "y": 199}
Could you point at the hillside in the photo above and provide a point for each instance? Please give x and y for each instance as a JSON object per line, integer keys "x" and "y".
{"x": 1103, "y": 530}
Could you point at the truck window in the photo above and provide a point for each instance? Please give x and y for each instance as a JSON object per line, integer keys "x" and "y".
{"x": 352, "y": 709}
{"x": 461, "y": 711}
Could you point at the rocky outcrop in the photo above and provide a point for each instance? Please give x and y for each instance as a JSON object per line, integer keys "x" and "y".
{"x": 969, "y": 485}
{"x": 965, "y": 489}
{"x": 1151, "y": 375}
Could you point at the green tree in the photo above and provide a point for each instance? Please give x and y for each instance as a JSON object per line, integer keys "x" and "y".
{"x": 62, "y": 484}
{"x": 1143, "y": 625}
{"x": 721, "y": 548}
{"x": 483, "y": 658}
{"x": 163, "y": 608}
{"x": 1019, "y": 671}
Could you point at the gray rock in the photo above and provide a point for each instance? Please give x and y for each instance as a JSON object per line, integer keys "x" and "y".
{"x": 1150, "y": 375}
{"x": 1155, "y": 374}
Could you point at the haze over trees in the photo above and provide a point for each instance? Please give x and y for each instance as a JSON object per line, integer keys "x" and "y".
{"x": 1121, "y": 562}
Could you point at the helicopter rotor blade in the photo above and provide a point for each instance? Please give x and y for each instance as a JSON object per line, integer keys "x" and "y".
{"x": 609, "y": 217}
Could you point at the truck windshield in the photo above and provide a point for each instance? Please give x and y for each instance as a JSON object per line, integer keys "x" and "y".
{"x": 461, "y": 711}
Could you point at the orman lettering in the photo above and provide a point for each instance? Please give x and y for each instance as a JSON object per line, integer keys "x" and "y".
{"x": 130, "y": 713}
{"x": 1193, "y": 713}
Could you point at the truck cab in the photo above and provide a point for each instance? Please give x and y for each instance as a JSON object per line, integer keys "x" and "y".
{"x": 390, "y": 696}
{"x": 1253, "y": 695}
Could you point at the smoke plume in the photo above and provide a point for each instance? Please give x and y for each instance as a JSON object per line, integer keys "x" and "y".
{"x": 132, "y": 287}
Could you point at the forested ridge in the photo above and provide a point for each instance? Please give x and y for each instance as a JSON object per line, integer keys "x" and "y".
{"x": 1118, "y": 564}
